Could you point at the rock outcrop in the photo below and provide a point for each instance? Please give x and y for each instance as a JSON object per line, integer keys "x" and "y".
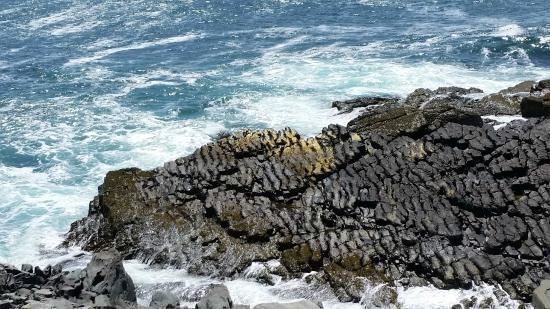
{"x": 420, "y": 191}
{"x": 103, "y": 283}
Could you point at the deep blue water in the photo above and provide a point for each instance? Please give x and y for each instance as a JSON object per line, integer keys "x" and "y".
{"x": 90, "y": 86}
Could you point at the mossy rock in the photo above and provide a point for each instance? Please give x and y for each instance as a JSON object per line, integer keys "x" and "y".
{"x": 301, "y": 258}
{"x": 345, "y": 281}
{"x": 120, "y": 199}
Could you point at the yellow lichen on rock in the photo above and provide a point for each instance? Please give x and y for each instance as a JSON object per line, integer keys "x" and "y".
{"x": 303, "y": 156}
{"x": 416, "y": 151}
{"x": 308, "y": 157}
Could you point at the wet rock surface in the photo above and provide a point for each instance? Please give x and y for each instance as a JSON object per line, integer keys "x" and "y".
{"x": 421, "y": 190}
{"x": 103, "y": 283}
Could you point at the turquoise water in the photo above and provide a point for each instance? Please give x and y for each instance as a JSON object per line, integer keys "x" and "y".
{"x": 91, "y": 86}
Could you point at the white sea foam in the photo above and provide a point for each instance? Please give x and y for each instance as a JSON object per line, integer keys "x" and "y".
{"x": 75, "y": 28}
{"x": 56, "y": 18}
{"x": 250, "y": 292}
{"x": 503, "y": 120}
{"x": 544, "y": 39}
{"x": 32, "y": 203}
{"x": 110, "y": 51}
{"x": 38, "y": 205}
{"x": 357, "y": 72}
{"x": 511, "y": 30}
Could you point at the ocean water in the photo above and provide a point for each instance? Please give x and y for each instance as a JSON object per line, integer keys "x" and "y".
{"x": 91, "y": 86}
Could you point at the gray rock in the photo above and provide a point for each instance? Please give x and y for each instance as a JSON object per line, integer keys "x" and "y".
{"x": 384, "y": 297}
{"x": 217, "y": 297}
{"x": 23, "y": 292}
{"x": 541, "y": 295}
{"x": 348, "y": 105}
{"x": 57, "y": 269}
{"x": 162, "y": 300}
{"x": 6, "y": 280}
{"x": 5, "y": 304}
{"x": 105, "y": 274}
{"x": 26, "y": 268}
{"x": 103, "y": 301}
{"x": 39, "y": 272}
{"x": 535, "y": 106}
{"x": 304, "y": 304}
{"x": 58, "y": 303}
{"x": 43, "y": 293}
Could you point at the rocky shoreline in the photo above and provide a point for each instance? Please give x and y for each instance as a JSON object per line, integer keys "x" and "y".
{"x": 104, "y": 283}
{"x": 414, "y": 191}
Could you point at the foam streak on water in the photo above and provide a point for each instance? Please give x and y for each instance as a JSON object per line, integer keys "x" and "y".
{"x": 91, "y": 86}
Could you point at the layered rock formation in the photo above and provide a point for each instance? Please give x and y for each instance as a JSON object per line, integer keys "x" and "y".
{"x": 418, "y": 190}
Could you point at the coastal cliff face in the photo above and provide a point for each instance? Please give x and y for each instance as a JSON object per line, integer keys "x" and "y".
{"x": 419, "y": 189}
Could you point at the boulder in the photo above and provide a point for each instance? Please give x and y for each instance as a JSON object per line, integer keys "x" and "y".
{"x": 541, "y": 295}
{"x": 105, "y": 275}
{"x": 542, "y": 86}
{"x": 536, "y": 106}
{"x": 217, "y": 297}
{"x": 26, "y": 268}
{"x": 6, "y": 279}
{"x": 523, "y": 87}
{"x": 384, "y": 297}
{"x": 5, "y": 304}
{"x": 43, "y": 293}
{"x": 164, "y": 300}
{"x": 103, "y": 301}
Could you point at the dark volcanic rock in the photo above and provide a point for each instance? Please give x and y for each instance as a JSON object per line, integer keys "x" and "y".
{"x": 471, "y": 100}
{"x": 536, "y": 106}
{"x": 105, "y": 275}
{"x": 348, "y": 105}
{"x": 104, "y": 283}
{"x": 411, "y": 121}
{"x": 426, "y": 193}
